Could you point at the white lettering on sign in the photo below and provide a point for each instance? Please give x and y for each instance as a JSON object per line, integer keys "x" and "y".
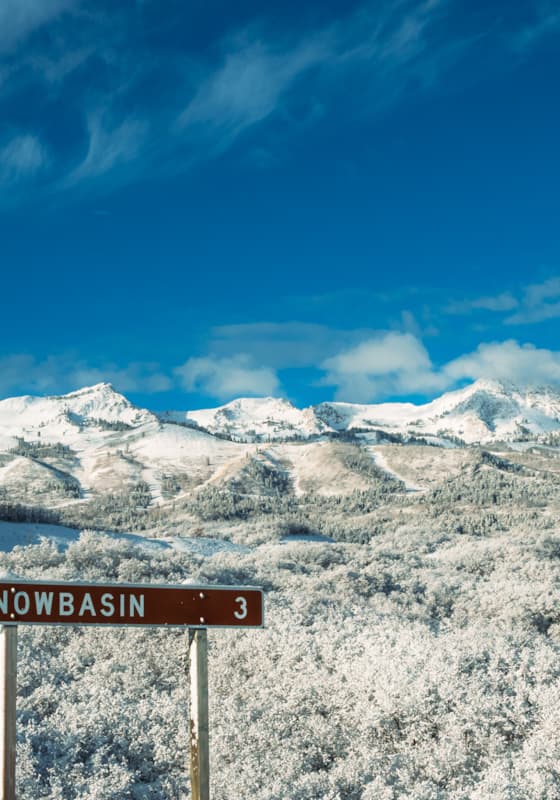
{"x": 242, "y": 613}
{"x": 137, "y": 604}
{"x": 108, "y": 608}
{"x": 87, "y": 605}
{"x": 21, "y": 602}
{"x": 66, "y": 604}
{"x": 44, "y": 602}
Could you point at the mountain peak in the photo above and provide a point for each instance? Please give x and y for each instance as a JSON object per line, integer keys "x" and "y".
{"x": 258, "y": 403}
{"x": 489, "y": 385}
{"x": 103, "y": 388}
{"x": 252, "y": 418}
{"x": 492, "y": 384}
{"x": 504, "y": 387}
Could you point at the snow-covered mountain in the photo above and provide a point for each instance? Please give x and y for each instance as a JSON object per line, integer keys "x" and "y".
{"x": 253, "y": 418}
{"x": 95, "y": 406}
{"x": 483, "y": 412}
{"x": 87, "y": 444}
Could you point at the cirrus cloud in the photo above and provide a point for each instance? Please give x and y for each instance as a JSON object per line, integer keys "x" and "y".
{"x": 541, "y": 301}
{"x": 200, "y": 100}
{"x": 22, "y": 157}
{"x": 501, "y": 302}
{"x": 248, "y": 87}
{"x": 19, "y": 18}
{"x": 22, "y": 372}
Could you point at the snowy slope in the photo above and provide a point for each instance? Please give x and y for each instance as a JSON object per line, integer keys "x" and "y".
{"x": 253, "y": 418}
{"x": 483, "y": 412}
{"x": 17, "y": 534}
{"x": 106, "y": 444}
{"x": 100, "y": 417}
{"x": 25, "y": 416}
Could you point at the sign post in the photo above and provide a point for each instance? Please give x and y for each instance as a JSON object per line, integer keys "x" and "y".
{"x": 8, "y": 692}
{"x": 199, "y": 727}
{"x": 147, "y": 605}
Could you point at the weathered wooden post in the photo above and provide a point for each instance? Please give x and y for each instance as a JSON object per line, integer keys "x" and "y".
{"x": 199, "y": 736}
{"x": 8, "y": 691}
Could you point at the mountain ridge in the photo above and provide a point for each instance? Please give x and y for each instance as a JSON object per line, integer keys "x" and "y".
{"x": 95, "y": 455}
{"x": 484, "y": 411}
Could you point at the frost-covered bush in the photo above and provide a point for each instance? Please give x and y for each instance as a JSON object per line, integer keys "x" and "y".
{"x": 418, "y": 666}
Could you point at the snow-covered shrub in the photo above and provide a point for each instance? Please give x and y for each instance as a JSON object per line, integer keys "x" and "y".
{"x": 421, "y": 665}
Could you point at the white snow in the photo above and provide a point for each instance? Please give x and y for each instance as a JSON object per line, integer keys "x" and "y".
{"x": 14, "y": 534}
{"x": 482, "y": 412}
{"x": 28, "y": 416}
{"x": 253, "y": 417}
{"x": 381, "y": 462}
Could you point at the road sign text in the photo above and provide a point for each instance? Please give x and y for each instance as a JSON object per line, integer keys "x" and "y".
{"x": 98, "y": 604}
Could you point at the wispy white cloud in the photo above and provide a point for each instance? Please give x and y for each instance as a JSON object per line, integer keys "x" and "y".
{"x": 283, "y": 344}
{"x": 135, "y": 377}
{"x": 392, "y": 35}
{"x": 530, "y": 304}
{"x": 390, "y": 42}
{"x": 62, "y": 373}
{"x": 225, "y": 378}
{"x": 17, "y": 372}
{"x": 55, "y": 67}
{"x": 251, "y": 80}
{"x": 22, "y": 157}
{"x": 19, "y": 18}
{"x": 538, "y": 293}
{"x": 248, "y": 87}
{"x": 540, "y": 301}
{"x": 545, "y": 23}
{"x": 394, "y": 47}
{"x": 531, "y": 316}
{"x": 501, "y": 302}
{"x": 109, "y": 147}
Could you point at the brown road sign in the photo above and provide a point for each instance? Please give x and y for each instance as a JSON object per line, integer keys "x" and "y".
{"x": 43, "y": 603}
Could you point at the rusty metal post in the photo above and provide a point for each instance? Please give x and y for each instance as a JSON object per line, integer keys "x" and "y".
{"x": 199, "y": 736}
{"x": 8, "y": 692}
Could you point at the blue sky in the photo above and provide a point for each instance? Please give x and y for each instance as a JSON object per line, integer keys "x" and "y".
{"x": 321, "y": 200}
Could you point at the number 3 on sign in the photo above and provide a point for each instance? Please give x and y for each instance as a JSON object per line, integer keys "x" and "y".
{"x": 242, "y": 612}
